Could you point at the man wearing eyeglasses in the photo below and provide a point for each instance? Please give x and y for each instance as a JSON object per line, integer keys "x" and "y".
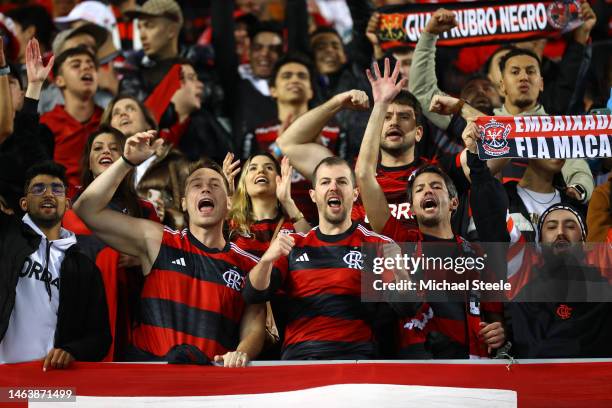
{"x": 53, "y": 306}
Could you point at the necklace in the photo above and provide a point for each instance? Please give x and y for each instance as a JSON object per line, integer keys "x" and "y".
{"x": 539, "y": 202}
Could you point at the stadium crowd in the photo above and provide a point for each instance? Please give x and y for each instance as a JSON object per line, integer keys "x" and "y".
{"x": 193, "y": 181}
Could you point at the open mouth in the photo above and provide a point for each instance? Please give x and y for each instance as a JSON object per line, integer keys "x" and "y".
{"x": 88, "y": 78}
{"x": 334, "y": 203}
{"x": 329, "y": 59}
{"x": 394, "y": 134}
{"x": 261, "y": 180}
{"x": 125, "y": 122}
{"x": 48, "y": 205}
{"x": 206, "y": 205}
{"x": 429, "y": 204}
{"x": 264, "y": 63}
{"x": 105, "y": 161}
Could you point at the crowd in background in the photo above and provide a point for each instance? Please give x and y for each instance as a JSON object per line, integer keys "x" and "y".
{"x": 267, "y": 91}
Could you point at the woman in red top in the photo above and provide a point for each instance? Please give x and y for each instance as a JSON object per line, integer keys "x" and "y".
{"x": 102, "y": 149}
{"x": 261, "y": 207}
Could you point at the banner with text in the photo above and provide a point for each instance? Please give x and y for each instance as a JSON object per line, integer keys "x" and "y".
{"x": 479, "y": 22}
{"x": 545, "y": 137}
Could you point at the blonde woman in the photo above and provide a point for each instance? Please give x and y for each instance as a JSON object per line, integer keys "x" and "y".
{"x": 261, "y": 207}
{"x": 262, "y": 203}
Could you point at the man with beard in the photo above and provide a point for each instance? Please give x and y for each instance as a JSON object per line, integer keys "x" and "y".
{"x": 320, "y": 273}
{"x": 558, "y": 310}
{"x": 191, "y": 302}
{"x": 480, "y": 94}
{"x": 291, "y": 86}
{"x": 53, "y": 303}
{"x": 443, "y": 330}
{"x": 397, "y": 139}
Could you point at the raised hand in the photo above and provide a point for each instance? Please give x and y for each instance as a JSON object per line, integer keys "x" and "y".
{"x": 444, "y": 105}
{"x": 280, "y": 246}
{"x": 372, "y": 27}
{"x": 470, "y": 136}
{"x": 141, "y": 146}
{"x": 231, "y": 169}
{"x": 385, "y": 87}
{"x": 283, "y": 183}
{"x": 353, "y": 100}
{"x": 581, "y": 34}
{"x": 37, "y": 71}
{"x": 442, "y": 20}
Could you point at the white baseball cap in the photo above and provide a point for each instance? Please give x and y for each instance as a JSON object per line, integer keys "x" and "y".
{"x": 92, "y": 11}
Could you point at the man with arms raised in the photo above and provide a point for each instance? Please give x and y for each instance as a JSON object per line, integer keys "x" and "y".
{"x": 320, "y": 273}
{"x": 398, "y": 138}
{"x": 445, "y": 330}
{"x": 191, "y": 296}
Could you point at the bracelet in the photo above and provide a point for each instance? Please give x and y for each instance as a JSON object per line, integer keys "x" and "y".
{"x": 128, "y": 162}
{"x": 297, "y": 218}
{"x": 5, "y": 70}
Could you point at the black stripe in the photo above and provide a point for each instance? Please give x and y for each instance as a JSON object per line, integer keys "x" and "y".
{"x": 329, "y": 350}
{"x": 338, "y": 237}
{"x": 449, "y": 310}
{"x": 196, "y": 322}
{"x": 329, "y": 305}
{"x": 196, "y": 266}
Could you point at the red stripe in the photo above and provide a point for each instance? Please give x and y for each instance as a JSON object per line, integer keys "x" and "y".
{"x": 322, "y": 328}
{"x": 455, "y": 329}
{"x": 199, "y": 294}
{"x": 536, "y": 385}
{"x": 159, "y": 341}
{"x": 341, "y": 281}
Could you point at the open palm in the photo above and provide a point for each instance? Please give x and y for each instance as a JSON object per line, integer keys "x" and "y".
{"x": 37, "y": 71}
{"x": 283, "y": 182}
{"x": 139, "y": 148}
{"x": 385, "y": 87}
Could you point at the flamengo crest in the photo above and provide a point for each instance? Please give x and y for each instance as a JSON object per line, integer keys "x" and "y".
{"x": 353, "y": 260}
{"x": 233, "y": 279}
{"x": 494, "y": 137}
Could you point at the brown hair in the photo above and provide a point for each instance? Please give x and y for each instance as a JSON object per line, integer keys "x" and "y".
{"x": 125, "y": 194}
{"x": 107, "y": 115}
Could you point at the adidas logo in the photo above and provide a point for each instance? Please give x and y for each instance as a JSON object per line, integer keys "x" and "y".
{"x": 180, "y": 261}
{"x": 303, "y": 258}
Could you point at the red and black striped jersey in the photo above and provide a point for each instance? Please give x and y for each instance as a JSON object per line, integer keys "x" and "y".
{"x": 459, "y": 321}
{"x": 261, "y": 235}
{"x": 263, "y": 139}
{"x": 193, "y": 296}
{"x": 321, "y": 278}
{"x": 393, "y": 181}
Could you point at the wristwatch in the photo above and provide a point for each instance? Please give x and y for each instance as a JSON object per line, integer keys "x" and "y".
{"x": 5, "y": 70}
{"x": 581, "y": 190}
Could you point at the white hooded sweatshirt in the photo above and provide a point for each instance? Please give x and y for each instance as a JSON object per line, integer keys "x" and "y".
{"x": 31, "y": 328}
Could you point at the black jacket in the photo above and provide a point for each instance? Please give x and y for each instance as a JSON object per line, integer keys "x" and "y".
{"x": 83, "y": 327}
{"x": 517, "y": 206}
